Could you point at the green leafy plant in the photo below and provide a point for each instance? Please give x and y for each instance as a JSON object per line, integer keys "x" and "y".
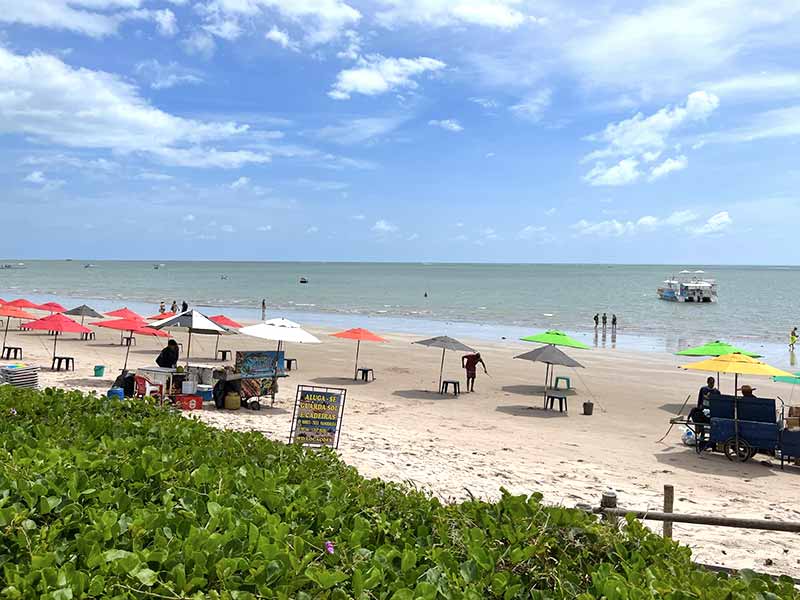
{"x": 110, "y": 499}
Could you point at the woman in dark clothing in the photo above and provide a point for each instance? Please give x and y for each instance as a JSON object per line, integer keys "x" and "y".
{"x": 168, "y": 358}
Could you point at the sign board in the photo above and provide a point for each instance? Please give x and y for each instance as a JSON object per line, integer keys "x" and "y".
{"x": 317, "y": 416}
{"x": 259, "y": 364}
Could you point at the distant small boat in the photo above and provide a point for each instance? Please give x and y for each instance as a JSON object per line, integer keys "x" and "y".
{"x": 14, "y": 266}
{"x": 89, "y": 266}
{"x": 303, "y": 280}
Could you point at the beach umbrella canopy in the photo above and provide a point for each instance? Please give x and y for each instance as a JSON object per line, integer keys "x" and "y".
{"x": 83, "y": 311}
{"x": 2, "y": 301}
{"x": 794, "y": 379}
{"x": 555, "y": 338}
{"x": 738, "y": 364}
{"x": 360, "y": 335}
{"x": 224, "y": 321}
{"x": 125, "y": 313}
{"x": 52, "y": 307}
{"x": 716, "y": 348}
{"x": 23, "y": 303}
{"x": 58, "y": 323}
{"x": 192, "y": 321}
{"x": 550, "y": 355}
{"x": 445, "y": 343}
{"x": 161, "y": 316}
{"x": 280, "y": 330}
{"x": 12, "y": 312}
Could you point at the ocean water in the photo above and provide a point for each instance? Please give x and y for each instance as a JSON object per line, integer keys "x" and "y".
{"x": 756, "y": 304}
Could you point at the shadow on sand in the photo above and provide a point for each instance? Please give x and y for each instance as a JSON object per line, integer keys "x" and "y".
{"x": 533, "y": 390}
{"x": 337, "y": 381}
{"x": 674, "y": 408}
{"x": 422, "y": 395}
{"x": 93, "y": 382}
{"x": 519, "y": 410}
{"x": 713, "y": 463}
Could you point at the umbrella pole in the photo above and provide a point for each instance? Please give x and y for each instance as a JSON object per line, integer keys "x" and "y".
{"x": 127, "y": 352}
{"x": 546, "y": 376}
{"x": 216, "y": 348}
{"x": 5, "y": 335}
{"x": 55, "y": 341}
{"x": 736, "y": 413}
{"x": 188, "y": 347}
{"x": 441, "y": 371}
{"x": 355, "y": 371}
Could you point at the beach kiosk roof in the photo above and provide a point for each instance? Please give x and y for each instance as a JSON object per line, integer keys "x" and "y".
{"x": 716, "y": 348}
{"x": 192, "y": 321}
{"x": 12, "y": 312}
{"x": 53, "y": 307}
{"x": 224, "y": 321}
{"x": 23, "y": 303}
{"x": 445, "y": 343}
{"x": 555, "y": 338}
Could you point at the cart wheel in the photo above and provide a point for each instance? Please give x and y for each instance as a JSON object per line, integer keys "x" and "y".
{"x": 743, "y": 453}
{"x": 255, "y": 405}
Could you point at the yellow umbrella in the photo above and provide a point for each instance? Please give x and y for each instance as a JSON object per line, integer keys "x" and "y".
{"x": 739, "y": 364}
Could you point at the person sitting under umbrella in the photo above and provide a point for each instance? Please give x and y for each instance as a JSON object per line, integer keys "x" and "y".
{"x": 168, "y": 358}
{"x": 470, "y": 363}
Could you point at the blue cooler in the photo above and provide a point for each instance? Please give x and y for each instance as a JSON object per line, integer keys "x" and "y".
{"x": 116, "y": 392}
{"x": 206, "y": 392}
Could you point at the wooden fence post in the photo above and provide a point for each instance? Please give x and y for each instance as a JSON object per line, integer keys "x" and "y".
{"x": 669, "y": 500}
{"x": 609, "y": 500}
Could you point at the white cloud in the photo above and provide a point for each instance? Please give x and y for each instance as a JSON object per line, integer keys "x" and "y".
{"x": 532, "y": 107}
{"x": 163, "y": 76}
{"x": 200, "y": 43}
{"x": 188, "y": 218}
{"x": 47, "y": 100}
{"x": 413, "y": 237}
{"x": 151, "y": 176}
{"x": 321, "y": 20}
{"x": 624, "y": 172}
{"x": 778, "y": 123}
{"x": 616, "y": 228}
{"x": 322, "y": 186}
{"x": 68, "y": 160}
{"x": 35, "y": 177}
{"x": 447, "y": 124}
{"x": 487, "y": 103}
{"x": 715, "y": 224}
{"x": 282, "y": 38}
{"x": 357, "y": 131}
{"x": 376, "y": 74}
{"x": 488, "y": 233}
{"x": 382, "y": 226}
{"x": 501, "y": 14}
{"x": 240, "y": 183}
{"x": 489, "y": 155}
{"x": 264, "y": 228}
{"x": 358, "y": 217}
{"x": 669, "y": 166}
{"x": 551, "y": 211}
{"x": 353, "y": 49}
{"x": 312, "y": 229}
{"x": 94, "y": 18}
{"x": 664, "y": 46}
{"x": 530, "y": 231}
{"x": 645, "y": 138}
{"x": 766, "y": 85}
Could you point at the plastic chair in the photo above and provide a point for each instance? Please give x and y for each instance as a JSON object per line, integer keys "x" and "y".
{"x": 144, "y": 387}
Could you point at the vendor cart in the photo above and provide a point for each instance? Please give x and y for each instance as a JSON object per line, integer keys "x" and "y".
{"x": 742, "y": 427}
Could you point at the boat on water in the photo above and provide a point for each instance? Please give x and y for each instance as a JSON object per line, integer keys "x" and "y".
{"x": 14, "y": 266}
{"x": 303, "y": 280}
{"x": 89, "y": 266}
{"x": 689, "y": 286}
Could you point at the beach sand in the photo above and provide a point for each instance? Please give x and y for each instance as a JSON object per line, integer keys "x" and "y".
{"x": 396, "y": 428}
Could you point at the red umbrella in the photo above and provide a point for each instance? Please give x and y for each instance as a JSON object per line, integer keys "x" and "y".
{"x": 22, "y": 303}
{"x": 12, "y": 312}
{"x": 52, "y": 307}
{"x": 59, "y": 324}
{"x": 133, "y": 326}
{"x": 2, "y": 301}
{"x": 360, "y": 335}
{"x": 226, "y": 322}
{"x": 160, "y": 316}
{"x": 125, "y": 313}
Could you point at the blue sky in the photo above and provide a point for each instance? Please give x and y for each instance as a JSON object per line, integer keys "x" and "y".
{"x": 465, "y": 130}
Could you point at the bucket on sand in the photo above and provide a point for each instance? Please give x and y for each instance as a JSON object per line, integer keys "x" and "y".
{"x": 99, "y": 370}
{"x": 588, "y": 408}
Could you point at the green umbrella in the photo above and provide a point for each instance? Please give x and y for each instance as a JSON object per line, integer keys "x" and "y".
{"x": 716, "y": 348}
{"x": 784, "y": 379}
{"x": 556, "y": 338}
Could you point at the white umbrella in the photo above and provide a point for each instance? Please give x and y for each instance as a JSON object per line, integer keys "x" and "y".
{"x": 194, "y": 322}
{"x": 280, "y": 330}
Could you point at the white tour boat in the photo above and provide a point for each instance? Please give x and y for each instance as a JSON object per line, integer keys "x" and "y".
{"x": 689, "y": 286}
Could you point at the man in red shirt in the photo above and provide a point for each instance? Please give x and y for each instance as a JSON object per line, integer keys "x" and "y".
{"x": 470, "y": 363}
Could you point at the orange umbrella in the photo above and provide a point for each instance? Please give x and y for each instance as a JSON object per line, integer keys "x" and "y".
{"x": 125, "y": 313}
{"x": 59, "y": 324}
{"x": 226, "y": 322}
{"x": 22, "y": 303}
{"x": 12, "y": 312}
{"x": 52, "y": 307}
{"x": 160, "y": 316}
{"x": 360, "y": 335}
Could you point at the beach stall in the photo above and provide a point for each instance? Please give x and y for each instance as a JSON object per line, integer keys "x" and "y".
{"x": 741, "y": 425}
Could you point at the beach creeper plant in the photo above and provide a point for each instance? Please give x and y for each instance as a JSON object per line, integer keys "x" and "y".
{"x": 122, "y": 499}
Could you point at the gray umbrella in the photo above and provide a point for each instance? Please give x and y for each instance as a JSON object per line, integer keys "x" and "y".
{"x": 84, "y": 311}
{"x": 550, "y": 355}
{"x": 445, "y": 343}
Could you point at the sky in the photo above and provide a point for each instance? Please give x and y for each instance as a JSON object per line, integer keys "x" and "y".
{"x": 408, "y": 130}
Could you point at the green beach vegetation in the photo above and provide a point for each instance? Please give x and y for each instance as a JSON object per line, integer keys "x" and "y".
{"x": 123, "y": 499}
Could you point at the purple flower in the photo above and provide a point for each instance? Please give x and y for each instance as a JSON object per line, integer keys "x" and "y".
{"x": 329, "y": 547}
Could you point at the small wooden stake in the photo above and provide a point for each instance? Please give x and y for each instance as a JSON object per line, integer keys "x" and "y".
{"x": 609, "y": 500}
{"x": 669, "y": 500}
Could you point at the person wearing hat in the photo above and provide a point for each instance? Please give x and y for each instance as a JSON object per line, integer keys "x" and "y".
{"x": 747, "y": 391}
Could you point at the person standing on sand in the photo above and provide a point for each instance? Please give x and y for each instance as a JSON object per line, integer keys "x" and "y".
{"x": 613, "y": 322}
{"x": 184, "y": 306}
{"x": 596, "y": 320}
{"x": 470, "y": 363}
{"x": 605, "y": 320}
{"x": 162, "y": 308}
{"x": 792, "y": 339}
{"x": 174, "y": 307}
{"x": 264, "y": 309}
